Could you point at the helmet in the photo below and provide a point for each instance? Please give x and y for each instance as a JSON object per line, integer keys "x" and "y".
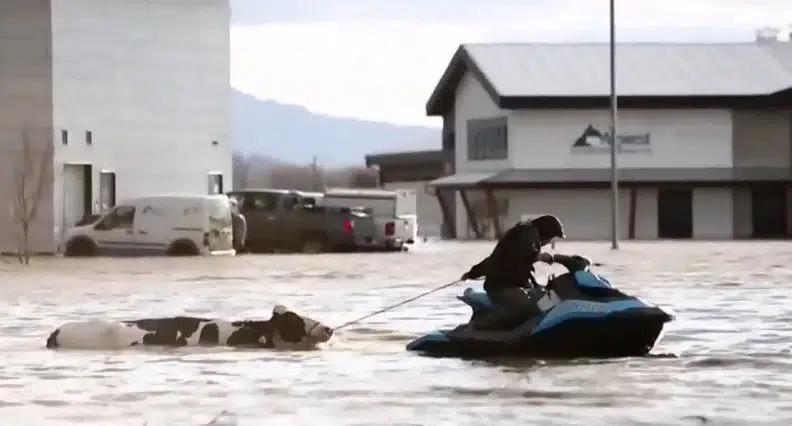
{"x": 548, "y": 227}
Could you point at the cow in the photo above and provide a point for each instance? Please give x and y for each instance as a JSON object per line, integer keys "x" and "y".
{"x": 284, "y": 330}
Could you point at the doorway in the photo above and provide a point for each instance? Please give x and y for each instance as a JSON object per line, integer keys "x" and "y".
{"x": 215, "y": 183}
{"x": 675, "y": 213}
{"x": 77, "y": 193}
{"x": 769, "y": 213}
{"x": 107, "y": 190}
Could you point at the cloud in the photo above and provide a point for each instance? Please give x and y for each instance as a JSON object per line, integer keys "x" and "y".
{"x": 380, "y": 60}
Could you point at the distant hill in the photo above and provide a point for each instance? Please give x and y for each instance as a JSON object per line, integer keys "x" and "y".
{"x": 292, "y": 134}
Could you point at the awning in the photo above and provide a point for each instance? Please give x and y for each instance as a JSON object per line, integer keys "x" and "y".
{"x": 460, "y": 181}
{"x": 717, "y": 176}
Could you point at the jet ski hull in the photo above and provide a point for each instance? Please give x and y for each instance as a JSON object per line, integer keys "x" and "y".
{"x": 622, "y": 334}
{"x": 610, "y": 327}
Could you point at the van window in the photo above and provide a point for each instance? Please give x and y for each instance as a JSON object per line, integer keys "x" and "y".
{"x": 120, "y": 217}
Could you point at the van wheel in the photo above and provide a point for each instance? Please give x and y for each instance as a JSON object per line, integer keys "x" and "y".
{"x": 313, "y": 244}
{"x": 183, "y": 248}
{"x": 80, "y": 247}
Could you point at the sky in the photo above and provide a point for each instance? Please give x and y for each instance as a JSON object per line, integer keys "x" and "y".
{"x": 341, "y": 57}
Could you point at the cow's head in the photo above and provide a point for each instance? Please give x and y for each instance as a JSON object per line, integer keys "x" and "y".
{"x": 293, "y": 331}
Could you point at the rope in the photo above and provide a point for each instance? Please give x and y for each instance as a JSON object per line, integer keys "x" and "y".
{"x": 404, "y": 302}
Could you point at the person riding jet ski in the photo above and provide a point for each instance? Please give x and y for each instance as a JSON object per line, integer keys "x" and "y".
{"x": 509, "y": 268}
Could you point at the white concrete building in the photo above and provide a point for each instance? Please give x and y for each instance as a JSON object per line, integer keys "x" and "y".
{"x": 133, "y": 97}
{"x": 705, "y": 134}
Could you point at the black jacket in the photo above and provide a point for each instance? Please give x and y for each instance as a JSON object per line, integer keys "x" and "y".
{"x": 511, "y": 263}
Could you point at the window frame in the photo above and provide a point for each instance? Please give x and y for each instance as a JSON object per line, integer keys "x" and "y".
{"x": 488, "y": 139}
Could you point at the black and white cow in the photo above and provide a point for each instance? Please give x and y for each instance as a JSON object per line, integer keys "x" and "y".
{"x": 285, "y": 330}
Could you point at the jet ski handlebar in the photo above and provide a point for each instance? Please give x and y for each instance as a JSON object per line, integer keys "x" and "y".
{"x": 574, "y": 263}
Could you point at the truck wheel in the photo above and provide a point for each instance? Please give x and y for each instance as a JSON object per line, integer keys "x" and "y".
{"x": 80, "y": 247}
{"x": 312, "y": 244}
{"x": 183, "y": 248}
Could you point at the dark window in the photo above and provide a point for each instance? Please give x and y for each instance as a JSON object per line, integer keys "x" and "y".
{"x": 121, "y": 217}
{"x": 675, "y": 213}
{"x": 215, "y": 183}
{"x": 769, "y": 212}
{"x": 64, "y": 136}
{"x": 88, "y": 137}
{"x": 262, "y": 202}
{"x": 488, "y": 139}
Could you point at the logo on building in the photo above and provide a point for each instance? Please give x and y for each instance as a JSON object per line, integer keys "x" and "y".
{"x": 595, "y": 141}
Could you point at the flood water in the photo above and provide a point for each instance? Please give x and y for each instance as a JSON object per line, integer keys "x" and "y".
{"x": 732, "y": 340}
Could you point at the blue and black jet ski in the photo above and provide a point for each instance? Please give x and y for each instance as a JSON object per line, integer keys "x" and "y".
{"x": 583, "y": 316}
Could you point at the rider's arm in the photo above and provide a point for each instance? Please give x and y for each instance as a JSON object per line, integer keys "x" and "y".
{"x": 572, "y": 263}
{"x": 478, "y": 270}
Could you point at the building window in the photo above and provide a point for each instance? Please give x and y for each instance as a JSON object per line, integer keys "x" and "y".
{"x": 488, "y": 139}
{"x": 64, "y": 136}
{"x": 88, "y": 137}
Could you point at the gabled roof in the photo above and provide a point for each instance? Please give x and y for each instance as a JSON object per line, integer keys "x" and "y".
{"x": 660, "y": 75}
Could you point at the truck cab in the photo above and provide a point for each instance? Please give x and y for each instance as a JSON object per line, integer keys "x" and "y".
{"x": 288, "y": 220}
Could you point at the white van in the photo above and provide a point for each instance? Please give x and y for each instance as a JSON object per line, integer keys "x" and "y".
{"x": 175, "y": 225}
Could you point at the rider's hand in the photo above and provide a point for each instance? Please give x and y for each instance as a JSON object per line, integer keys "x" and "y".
{"x": 545, "y": 257}
{"x": 465, "y": 276}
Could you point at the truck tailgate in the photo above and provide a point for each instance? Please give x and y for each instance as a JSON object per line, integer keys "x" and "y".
{"x": 365, "y": 226}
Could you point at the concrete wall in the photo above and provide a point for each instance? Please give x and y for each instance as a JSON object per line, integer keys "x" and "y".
{"x": 150, "y": 80}
{"x": 25, "y": 106}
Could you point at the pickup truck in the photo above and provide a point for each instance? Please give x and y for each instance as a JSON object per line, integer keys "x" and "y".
{"x": 286, "y": 220}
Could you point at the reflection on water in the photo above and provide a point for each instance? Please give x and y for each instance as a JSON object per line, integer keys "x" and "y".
{"x": 726, "y": 360}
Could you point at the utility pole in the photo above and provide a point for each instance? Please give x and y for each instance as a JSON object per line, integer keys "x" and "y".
{"x": 614, "y": 140}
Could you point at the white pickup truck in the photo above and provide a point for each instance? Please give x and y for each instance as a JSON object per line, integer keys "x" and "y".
{"x": 394, "y": 217}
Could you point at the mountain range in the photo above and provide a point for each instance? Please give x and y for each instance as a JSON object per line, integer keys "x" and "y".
{"x": 293, "y": 134}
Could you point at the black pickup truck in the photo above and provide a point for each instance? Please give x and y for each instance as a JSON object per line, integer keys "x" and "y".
{"x": 286, "y": 220}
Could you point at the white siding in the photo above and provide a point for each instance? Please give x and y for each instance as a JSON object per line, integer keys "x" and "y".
{"x": 584, "y": 213}
{"x": 471, "y": 101}
{"x": 762, "y": 138}
{"x": 698, "y": 138}
{"x": 713, "y": 216}
{"x": 543, "y": 139}
{"x": 151, "y": 81}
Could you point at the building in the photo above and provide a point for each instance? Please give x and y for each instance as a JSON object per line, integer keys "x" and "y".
{"x": 124, "y": 97}
{"x": 414, "y": 170}
{"x": 704, "y": 133}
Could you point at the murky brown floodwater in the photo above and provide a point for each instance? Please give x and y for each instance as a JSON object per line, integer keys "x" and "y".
{"x": 732, "y": 336}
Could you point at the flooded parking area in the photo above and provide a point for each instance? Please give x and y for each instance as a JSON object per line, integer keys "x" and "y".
{"x": 732, "y": 340}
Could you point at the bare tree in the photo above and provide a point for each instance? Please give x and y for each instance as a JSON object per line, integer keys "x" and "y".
{"x": 31, "y": 178}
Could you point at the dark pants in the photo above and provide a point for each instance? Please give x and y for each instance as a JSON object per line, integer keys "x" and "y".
{"x": 514, "y": 306}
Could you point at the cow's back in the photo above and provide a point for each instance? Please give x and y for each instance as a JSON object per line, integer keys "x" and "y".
{"x": 95, "y": 334}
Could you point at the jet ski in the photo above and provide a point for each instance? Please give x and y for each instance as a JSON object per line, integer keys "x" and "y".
{"x": 583, "y": 316}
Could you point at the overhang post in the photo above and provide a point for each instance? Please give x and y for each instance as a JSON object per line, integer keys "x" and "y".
{"x": 472, "y": 222}
{"x": 447, "y": 230}
{"x": 494, "y": 214}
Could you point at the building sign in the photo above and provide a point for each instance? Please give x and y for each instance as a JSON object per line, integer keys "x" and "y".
{"x": 595, "y": 141}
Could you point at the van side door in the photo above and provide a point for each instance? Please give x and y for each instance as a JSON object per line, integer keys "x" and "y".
{"x": 115, "y": 233}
